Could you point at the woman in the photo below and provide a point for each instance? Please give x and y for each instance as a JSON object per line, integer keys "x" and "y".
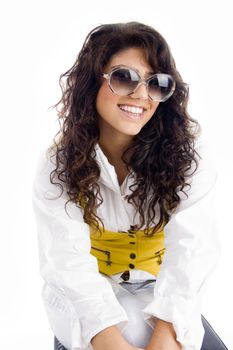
{"x": 124, "y": 201}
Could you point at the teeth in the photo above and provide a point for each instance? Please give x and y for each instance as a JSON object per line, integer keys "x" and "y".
{"x": 134, "y": 110}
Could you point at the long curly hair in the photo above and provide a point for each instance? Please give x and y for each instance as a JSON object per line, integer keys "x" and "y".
{"x": 162, "y": 156}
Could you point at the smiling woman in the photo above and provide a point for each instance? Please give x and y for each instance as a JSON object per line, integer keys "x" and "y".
{"x": 122, "y": 110}
{"x": 123, "y": 200}
{"x": 125, "y": 113}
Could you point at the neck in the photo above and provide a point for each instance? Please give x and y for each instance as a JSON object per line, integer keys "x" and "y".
{"x": 113, "y": 150}
{"x": 113, "y": 143}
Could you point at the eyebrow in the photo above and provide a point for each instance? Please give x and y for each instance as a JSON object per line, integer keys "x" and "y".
{"x": 148, "y": 74}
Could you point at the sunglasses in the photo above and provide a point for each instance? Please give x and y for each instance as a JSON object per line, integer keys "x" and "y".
{"x": 124, "y": 81}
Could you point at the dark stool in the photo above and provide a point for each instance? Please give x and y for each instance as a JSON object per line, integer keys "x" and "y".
{"x": 58, "y": 345}
{"x": 211, "y": 340}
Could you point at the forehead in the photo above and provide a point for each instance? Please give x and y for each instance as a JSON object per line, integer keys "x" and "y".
{"x": 131, "y": 57}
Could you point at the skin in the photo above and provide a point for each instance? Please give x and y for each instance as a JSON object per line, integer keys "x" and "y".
{"x": 115, "y": 124}
{"x": 119, "y": 128}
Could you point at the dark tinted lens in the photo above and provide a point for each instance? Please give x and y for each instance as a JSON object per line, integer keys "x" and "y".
{"x": 124, "y": 81}
{"x": 160, "y": 86}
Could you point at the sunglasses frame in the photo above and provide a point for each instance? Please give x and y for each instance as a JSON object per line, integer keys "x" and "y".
{"x": 108, "y": 76}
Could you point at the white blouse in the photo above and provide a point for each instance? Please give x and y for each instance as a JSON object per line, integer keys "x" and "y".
{"x": 68, "y": 268}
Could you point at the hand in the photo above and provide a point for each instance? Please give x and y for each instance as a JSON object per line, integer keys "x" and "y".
{"x": 164, "y": 337}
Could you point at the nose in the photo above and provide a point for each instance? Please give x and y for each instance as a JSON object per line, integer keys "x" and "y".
{"x": 141, "y": 91}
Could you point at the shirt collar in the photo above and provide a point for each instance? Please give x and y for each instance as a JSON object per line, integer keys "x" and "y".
{"x": 108, "y": 176}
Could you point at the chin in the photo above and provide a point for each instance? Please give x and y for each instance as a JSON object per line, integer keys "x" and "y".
{"x": 133, "y": 131}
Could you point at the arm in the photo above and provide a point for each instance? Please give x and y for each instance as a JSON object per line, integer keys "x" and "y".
{"x": 111, "y": 339}
{"x": 192, "y": 251}
{"x": 66, "y": 264}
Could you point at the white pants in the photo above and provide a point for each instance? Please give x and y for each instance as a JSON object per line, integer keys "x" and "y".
{"x": 133, "y": 298}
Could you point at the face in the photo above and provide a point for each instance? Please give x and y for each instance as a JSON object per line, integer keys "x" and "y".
{"x": 118, "y": 117}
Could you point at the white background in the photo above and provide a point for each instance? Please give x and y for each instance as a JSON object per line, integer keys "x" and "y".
{"x": 39, "y": 41}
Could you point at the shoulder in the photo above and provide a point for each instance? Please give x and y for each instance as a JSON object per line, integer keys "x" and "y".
{"x": 201, "y": 180}
{"x": 52, "y": 195}
{"x": 46, "y": 164}
{"x": 207, "y": 166}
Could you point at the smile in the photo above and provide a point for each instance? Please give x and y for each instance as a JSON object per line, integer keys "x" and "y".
{"x": 132, "y": 109}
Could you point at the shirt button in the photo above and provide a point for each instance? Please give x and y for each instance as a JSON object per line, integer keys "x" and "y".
{"x": 131, "y": 235}
{"x": 131, "y": 266}
{"x": 132, "y": 242}
{"x": 132, "y": 256}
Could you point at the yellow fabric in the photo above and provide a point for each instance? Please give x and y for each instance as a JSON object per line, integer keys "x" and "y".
{"x": 122, "y": 251}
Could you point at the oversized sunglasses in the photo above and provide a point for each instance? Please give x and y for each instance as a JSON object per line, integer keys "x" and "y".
{"x": 124, "y": 81}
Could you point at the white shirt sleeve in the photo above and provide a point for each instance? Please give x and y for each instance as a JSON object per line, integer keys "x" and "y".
{"x": 192, "y": 251}
{"x": 66, "y": 264}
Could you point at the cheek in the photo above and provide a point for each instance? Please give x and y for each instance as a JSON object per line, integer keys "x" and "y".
{"x": 104, "y": 99}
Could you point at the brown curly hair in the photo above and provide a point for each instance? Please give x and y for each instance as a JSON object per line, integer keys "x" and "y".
{"x": 161, "y": 155}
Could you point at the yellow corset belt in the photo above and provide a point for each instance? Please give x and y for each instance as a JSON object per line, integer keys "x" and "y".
{"x": 121, "y": 251}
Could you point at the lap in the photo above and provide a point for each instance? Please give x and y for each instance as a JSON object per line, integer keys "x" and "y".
{"x": 211, "y": 340}
{"x": 133, "y": 303}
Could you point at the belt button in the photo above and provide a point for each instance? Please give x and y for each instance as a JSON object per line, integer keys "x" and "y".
{"x": 132, "y": 256}
{"x": 125, "y": 276}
